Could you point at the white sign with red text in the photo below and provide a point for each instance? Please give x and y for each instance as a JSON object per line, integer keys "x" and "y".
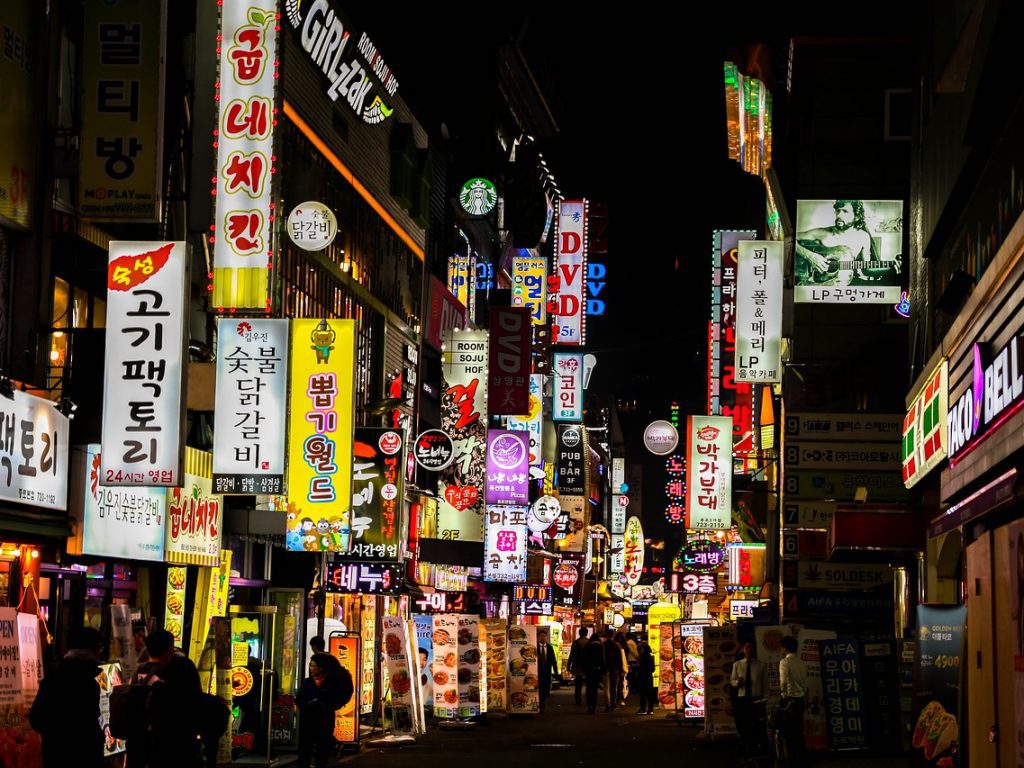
{"x": 568, "y": 306}
{"x": 567, "y": 401}
{"x": 709, "y": 473}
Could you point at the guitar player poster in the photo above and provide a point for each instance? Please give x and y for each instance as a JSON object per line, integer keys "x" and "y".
{"x": 848, "y": 251}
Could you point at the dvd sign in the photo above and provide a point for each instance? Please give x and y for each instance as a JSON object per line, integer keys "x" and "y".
{"x": 433, "y": 450}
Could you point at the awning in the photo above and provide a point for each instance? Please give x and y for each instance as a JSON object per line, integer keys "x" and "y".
{"x": 877, "y": 531}
{"x": 35, "y": 524}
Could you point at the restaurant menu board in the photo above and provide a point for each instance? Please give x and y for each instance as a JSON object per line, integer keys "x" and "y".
{"x": 844, "y": 693}
{"x": 523, "y": 680}
{"x": 941, "y": 651}
{"x": 174, "y": 613}
{"x": 14, "y": 727}
{"x": 668, "y": 655}
{"x": 345, "y": 648}
{"x": 769, "y": 650}
{"x": 815, "y": 723}
{"x": 425, "y": 656}
{"x": 398, "y": 668}
{"x": 444, "y": 668}
{"x": 656, "y": 615}
{"x": 720, "y": 646}
{"x": 690, "y": 646}
{"x": 497, "y": 659}
{"x": 109, "y": 676}
{"x": 472, "y": 687}
{"x": 368, "y": 630}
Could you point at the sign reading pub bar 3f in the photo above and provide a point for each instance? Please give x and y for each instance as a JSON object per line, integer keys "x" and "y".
{"x": 242, "y": 235}
{"x": 143, "y": 398}
{"x": 759, "y": 311}
{"x": 249, "y": 421}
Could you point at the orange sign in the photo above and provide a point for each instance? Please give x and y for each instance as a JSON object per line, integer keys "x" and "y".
{"x": 345, "y": 648}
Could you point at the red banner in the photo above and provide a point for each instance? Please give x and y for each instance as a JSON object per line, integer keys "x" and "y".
{"x": 510, "y": 338}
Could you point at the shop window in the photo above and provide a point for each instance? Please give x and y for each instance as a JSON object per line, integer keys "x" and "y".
{"x": 61, "y": 299}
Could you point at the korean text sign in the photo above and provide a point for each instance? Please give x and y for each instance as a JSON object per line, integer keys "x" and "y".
{"x": 529, "y": 284}
{"x": 567, "y": 401}
{"x": 511, "y": 334}
{"x": 709, "y": 473}
{"x": 377, "y": 495}
{"x": 143, "y": 396}
{"x": 568, "y": 306}
{"x": 508, "y": 467}
{"x": 320, "y": 435}
{"x": 759, "y": 311}
{"x": 249, "y": 422}
{"x": 122, "y": 112}
{"x": 533, "y": 423}
{"x": 464, "y": 418}
{"x": 245, "y": 153}
{"x": 505, "y": 545}
{"x": 33, "y": 452}
{"x": 121, "y": 522}
{"x": 194, "y": 515}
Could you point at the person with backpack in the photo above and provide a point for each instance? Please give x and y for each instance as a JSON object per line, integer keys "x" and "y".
{"x": 327, "y": 689}
{"x": 66, "y": 712}
{"x": 170, "y": 736}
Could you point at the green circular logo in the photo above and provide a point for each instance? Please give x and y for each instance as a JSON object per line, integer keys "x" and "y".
{"x": 478, "y": 197}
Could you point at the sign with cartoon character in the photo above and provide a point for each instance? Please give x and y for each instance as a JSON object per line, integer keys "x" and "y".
{"x": 320, "y": 435}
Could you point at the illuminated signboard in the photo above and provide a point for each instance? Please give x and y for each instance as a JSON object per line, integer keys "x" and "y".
{"x": 748, "y": 114}
{"x": 746, "y": 565}
{"x": 353, "y": 68}
{"x": 243, "y": 217}
{"x": 511, "y": 332}
{"x": 848, "y": 251}
{"x": 596, "y": 273}
{"x": 143, "y": 393}
{"x": 533, "y": 422}
{"x": 690, "y": 583}
{"x": 505, "y": 533}
{"x": 478, "y": 197}
{"x": 364, "y": 578}
{"x": 529, "y": 286}
{"x": 699, "y": 556}
{"x": 997, "y": 384}
{"x": 709, "y": 473}
{"x": 508, "y": 468}
{"x": 726, "y": 395}
{"x": 567, "y": 398}
{"x": 925, "y": 436}
{"x": 759, "y": 311}
{"x": 675, "y": 489}
{"x": 440, "y": 602}
{"x": 320, "y": 434}
{"x": 633, "y": 551}
{"x": 568, "y": 306}
{"x": 742, "y": 609}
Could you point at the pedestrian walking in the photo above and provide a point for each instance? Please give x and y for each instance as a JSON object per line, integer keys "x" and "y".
{"x": 793, "y": 684}
{"x": 593, "y": 669}
{"x": 614, "y": 660}
{"x": 326, "y": 690}
{"x": 547, "y": 665}
{"x": 632, "y": 659}
{"x": 620, "y": 640}
{"x": 66, "y": 712}
{"x": 574, "y": 664}
{"x": 644, "y": 678}
{"x": 749, "y": 684}
{"x": 171, "y": 737}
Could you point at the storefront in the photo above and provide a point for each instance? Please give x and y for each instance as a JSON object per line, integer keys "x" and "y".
{"x": 975, "y": 541}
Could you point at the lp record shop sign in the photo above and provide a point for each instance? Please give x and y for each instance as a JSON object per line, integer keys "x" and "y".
{"x": 572, "y": 452}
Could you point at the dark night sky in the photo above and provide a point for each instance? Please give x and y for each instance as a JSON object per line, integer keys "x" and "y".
{"x": 638, "y": 100}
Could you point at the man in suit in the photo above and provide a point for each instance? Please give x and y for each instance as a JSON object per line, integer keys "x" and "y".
{"x": 547, "y": 665}
{"x": 749, "y": 684}
{"x": 575, "y": 663}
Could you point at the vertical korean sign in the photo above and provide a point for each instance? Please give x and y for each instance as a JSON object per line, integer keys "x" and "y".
{"x": 443, "y": 668}
{"x": 194, "y": 515}
{"x": 398, "y": 668}
{"x": 533, "y": 422}
{"x": 123, "y": 53}
{"x": 633, "y": 551}
{"x": 529, "y": 283}
{"x": 143, "y": 396}
{"x": 345, "y": 648}
{"x": 844, "y": 698}
{"x": 511, "y": 335}
{"x": 377, "y": 494}
{"x": 242, "y": 237}
{"x": 567, "y": 307}
{"x": 320, "y": 427}
{"x": 759, "y": 311}
{"x": 508, "y": 467}
{"x": 567, "y": 400}
{"x": 570, "y": 460}
{"x": 249, "y": 422}
{"x": 18, "y": 149}
{"x": 938, "y": 676}
{"x": 505, "y": 545}
{"x": 523, "y": 680}
{"x": 464, "y": 418}
{"x": 709, "y": 473}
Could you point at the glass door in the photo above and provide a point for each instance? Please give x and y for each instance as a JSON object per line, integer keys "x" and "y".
{"x": 252, "y": 654}
{"x": 289, "y": 655}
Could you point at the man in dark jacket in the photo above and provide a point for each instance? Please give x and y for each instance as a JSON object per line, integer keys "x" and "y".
{"x": 327, "y": 689}
{"x": 575, "y": 662}
{"x": 593, "y": 667}
{"x": 547, "y": 665}
{"x": 173, "y": 733}
{"x": 614, "y": 667}
{"x": 66, "y": 712}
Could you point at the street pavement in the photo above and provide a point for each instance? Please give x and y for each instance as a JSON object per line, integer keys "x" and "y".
{"x": 565, "y": 735}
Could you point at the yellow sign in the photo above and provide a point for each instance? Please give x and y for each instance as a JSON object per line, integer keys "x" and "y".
{"x": 345, "y": 648}
{"x": 241, "y": 681}
{"x": 174, "y": 604}
{"x": 122, "y": 110}
{"x": 658, "y": 614}
{"x": 17, "y": 150}
{"x": 320, "y": 434}
{"x": 219, "y": 586}
{"x": 239, "y": 654}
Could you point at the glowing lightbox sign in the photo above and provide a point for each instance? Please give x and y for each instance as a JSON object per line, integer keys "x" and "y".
{"x": 996, "y": 385}
{"x": 243, "y": 233}
{"x": 568, "y": 306}
{"x": 478, "y": 197}
{"x": 759, "y": 311}
{"x": 709, "y": 473}
{"x": 925, "y": 438}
